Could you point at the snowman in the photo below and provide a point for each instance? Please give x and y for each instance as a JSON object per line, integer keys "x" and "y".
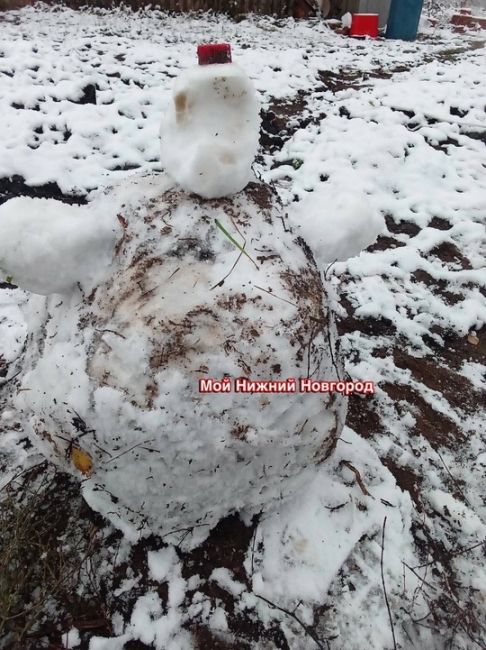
{"x": 171, "y": 319}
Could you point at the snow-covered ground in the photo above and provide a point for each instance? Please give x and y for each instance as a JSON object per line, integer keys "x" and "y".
{"x": 376, "y": 555}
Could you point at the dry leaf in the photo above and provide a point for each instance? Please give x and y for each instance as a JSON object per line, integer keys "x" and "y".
{"x": 81, "y": 461}
{"x": 473, "y": 339}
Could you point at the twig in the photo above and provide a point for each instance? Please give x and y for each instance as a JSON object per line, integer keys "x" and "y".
{"x": 455, "y": 554}
{"x": 126, "y": 451}
{"x": 334, "y": 508}
{"x": 419, "y": 577}
{"x": 297, "y": 606}
{"x": 173, "y": 273}
{"x": 7, "y": 381}
{"x": 253, "y": 550}
{"x": 328, "y": 268}
{"x": 182, "y": 530}
{"x": 383, "y": 583}
{"x": 308, "y": 630}
{"x": 419, "y": 588}
{"x": 111, "y": 332}
{"x": 22, "y": 472}
{"x": 330, "y": 344}
{"x": 412, "y": 644}
{"x": 359, "y": 480}
{"x": 221, "y": 282}
{"x": 275, "y": 296}
{"x": 452, "y": 478}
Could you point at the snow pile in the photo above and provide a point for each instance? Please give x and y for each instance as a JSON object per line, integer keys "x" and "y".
{"x": 47, "y": 246}
{"x": 116, "y": 371}
{"x": 210, "y": 130}
{"x": 297, "y": 548}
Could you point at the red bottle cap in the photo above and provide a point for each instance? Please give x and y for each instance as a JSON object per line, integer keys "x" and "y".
{"x": 214, "y": 53}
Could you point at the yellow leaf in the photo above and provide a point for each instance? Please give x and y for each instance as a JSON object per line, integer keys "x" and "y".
{"x": 81, "y": 461}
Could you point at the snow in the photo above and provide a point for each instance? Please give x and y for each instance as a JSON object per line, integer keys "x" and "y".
{"x": 71, "y": 639}
{"x": 474, "y": 373}
{"x": 102, "y": 643}
{"x": 422, "y": 172}
{"x": 149, "y": 622}
{"x": 304, "y": 541}
{"x": 160, "y": 562}
{"x": 13, "y": 325}
{"x": 47, "y": 246}
{"x": 218, "y": 620}
{"x": 225, "y": 580}
{"x": 210, "y": 130}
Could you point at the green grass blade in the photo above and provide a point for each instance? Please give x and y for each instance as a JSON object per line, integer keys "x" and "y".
{"x": 234, "y": 242}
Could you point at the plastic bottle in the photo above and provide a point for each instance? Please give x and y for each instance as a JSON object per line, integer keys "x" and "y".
{"x": 210, "y": 130}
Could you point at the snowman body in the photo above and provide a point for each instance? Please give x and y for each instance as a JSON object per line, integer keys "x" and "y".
{"x": 182, "y": 303}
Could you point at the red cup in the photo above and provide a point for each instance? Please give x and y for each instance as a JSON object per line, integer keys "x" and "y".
{"x": 364, "y": 25}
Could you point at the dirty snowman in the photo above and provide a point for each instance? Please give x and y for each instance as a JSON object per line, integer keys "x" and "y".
{"x": 162, "y": 284}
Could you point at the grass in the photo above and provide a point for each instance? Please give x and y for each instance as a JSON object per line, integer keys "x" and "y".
{"x": 46, "y": 547}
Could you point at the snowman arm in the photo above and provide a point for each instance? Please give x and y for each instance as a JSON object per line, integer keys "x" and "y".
{"x": 340, "y": 231}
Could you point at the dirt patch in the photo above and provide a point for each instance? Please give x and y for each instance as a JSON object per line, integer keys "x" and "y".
{"x": 475, "y": 135}
{"x": 261, "y": 194}
{"x": 401, "y": 227}
{"x": 407, "y": 480}
{"x": 458, "y": 349}
{"x": 437, "y": 428}
{"x": 383, "y": 243}
{"x": 441, "y": 145}
{"x": 439, "y": 223}
{"x": 449, "y": 253}
{"x": 226, "y": 547}
{"x": 282, "y": 119}
{"x": 363, "y": 417}
{"x": 205, "y": 639}
{"x": 16, "y": 186}
{"x": 440, "y": 378}
{"x": 440, "y": 286}
{"x": 369, "y": 326}
{"x": 341, "y": 80}
{"x": 176, "y": 345}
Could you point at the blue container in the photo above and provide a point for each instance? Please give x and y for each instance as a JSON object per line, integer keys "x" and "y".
{"x": 403, "y": 20}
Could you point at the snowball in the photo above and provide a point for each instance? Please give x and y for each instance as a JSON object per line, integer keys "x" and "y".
{"x": 337, "y": 227}
{"x": 47, "y": 246}
{"x": 210, "y": 130}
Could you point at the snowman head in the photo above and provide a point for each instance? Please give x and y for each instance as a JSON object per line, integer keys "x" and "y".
{"x": 210, "y": 129}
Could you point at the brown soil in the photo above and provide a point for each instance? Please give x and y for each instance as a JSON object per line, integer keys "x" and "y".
{"x": 16, "y": 186}
{"x": 402, "y": 227}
